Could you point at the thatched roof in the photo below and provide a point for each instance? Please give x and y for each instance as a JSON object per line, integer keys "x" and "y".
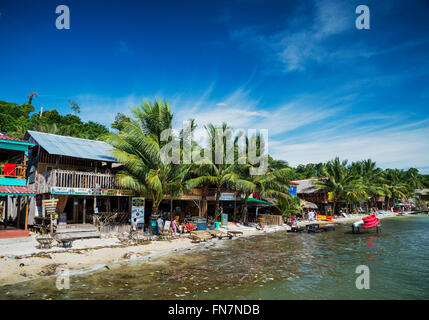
{"x": 307, "y": 186}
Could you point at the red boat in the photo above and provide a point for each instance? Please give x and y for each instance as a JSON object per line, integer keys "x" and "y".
{"x": 370, "y": 222}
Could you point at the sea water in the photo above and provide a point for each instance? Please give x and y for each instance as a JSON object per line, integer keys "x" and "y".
{"x": 277, "y": 265}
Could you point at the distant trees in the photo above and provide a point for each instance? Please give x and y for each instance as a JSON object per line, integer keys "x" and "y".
{"x": 120, "y": 121}
{"x": 16, "y": 119}
{"x": 74, "y": 106}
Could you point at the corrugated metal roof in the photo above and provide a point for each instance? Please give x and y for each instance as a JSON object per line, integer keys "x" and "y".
{"x": 5, "y": 137}
{"x": 73, "y": 147}
{"x": 17, "y": 191}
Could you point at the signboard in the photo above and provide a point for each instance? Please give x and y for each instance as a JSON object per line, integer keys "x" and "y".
{"x": 137, "y": 209}
{"x": 227, "y": 196}
{"x": 224, "y": 219}
{"x": 91, "y": 192}
{"x": 63, "y": 218}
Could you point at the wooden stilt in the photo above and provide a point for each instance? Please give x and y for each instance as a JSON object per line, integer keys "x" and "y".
{"x": 6, "y": 209}
{"x": 84, "y": 211}
{"x": 75, "y": 207}
{"x": 18, "y": 210}
{"x": 26, "y": 215}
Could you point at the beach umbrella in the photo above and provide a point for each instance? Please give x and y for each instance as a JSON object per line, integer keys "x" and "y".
{"x": 254, "y": 201}
{"x": 308, "y": 205}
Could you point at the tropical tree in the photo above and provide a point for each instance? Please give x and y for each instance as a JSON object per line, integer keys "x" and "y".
{"x": 31, "y": 96}
{"x": 394, "y": 186}
{"x": 274, "y": 182}
{"x": 339, "y": 181}
{"x": 216, "y": 169}
{"x": 74, "y": 106}
{"x": 139, "y": 147}
{"x": 286, "y": 206}
{"x": 368, "y": 185}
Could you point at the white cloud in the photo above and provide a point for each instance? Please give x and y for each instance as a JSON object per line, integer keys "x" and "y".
{"x": 396, "y": 147}
{"x": 303, "y": 130}
{"x": 103, "y": 109}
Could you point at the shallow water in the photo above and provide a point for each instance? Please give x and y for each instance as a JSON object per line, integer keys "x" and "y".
{"x": 271, "y": 266}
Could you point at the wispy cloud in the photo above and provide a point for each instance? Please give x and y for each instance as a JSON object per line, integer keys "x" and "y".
{"x": 401, "y": 148}
{"x": 103, "y": 109}
{"x": 301, "y": 41}
{"x": 124, "y": 49}
{"x": 300, "y": 133}
{"x": 308, "y": 128}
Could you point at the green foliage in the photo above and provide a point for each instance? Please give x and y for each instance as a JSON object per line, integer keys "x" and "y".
{"x": 120, "y": 121}
{"x": 16, "y": 119}
{"x": 288, "y": 206}
{"x": 74, "y": 106}
{"x": 138, "y": 146}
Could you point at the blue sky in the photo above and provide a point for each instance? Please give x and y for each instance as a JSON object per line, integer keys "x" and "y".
{"x": 300, "y": 69}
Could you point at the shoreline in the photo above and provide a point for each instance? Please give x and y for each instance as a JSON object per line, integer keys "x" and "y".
{"x": 20, "y": 262}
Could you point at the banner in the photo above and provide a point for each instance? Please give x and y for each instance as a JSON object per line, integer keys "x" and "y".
{"x": 91, "y": 192}
{"x": 137, "y": 209}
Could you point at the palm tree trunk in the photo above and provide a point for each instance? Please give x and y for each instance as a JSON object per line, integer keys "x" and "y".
{"x": 171, "y": 209}
{"x": 217, "y": 203}
{"x": 235, "y": 206}
{"x": 245, "y": 208}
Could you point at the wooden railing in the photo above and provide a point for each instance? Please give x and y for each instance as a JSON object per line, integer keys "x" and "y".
{"x": 76, "y": 179}
{"x": 18, "y": 172}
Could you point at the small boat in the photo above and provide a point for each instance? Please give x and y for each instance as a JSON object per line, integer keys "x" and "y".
{"x": 367, "y": 222}
{"x": 325, "y": 218}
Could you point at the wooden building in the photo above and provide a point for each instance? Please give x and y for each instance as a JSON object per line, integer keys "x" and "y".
{"x": 15, "y": 196}
{"x": 307, "y": 190}
{"x": 80, "y": 173}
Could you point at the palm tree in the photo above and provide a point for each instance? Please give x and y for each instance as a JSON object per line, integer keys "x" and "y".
{"x": 339, "y": 181}
{"x": 31, "y": 96}
{"x": 139, "y": 146}
{"x": 275, "y": 182}
{"x": 370, "y": 179}
{"x": 288, "y": 205}
{"x": 216, "y": 172}
{"x": 394, "y": 185}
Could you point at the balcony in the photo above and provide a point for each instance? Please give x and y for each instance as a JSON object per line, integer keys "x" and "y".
{"x": 12, "y": 174}
{"x": 58, "y": 178}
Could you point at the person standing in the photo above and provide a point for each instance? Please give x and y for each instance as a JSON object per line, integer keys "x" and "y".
{"x": 160, "y": 224}
{"x": 173, "y": 226}
{"x": 134, "y": 225}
